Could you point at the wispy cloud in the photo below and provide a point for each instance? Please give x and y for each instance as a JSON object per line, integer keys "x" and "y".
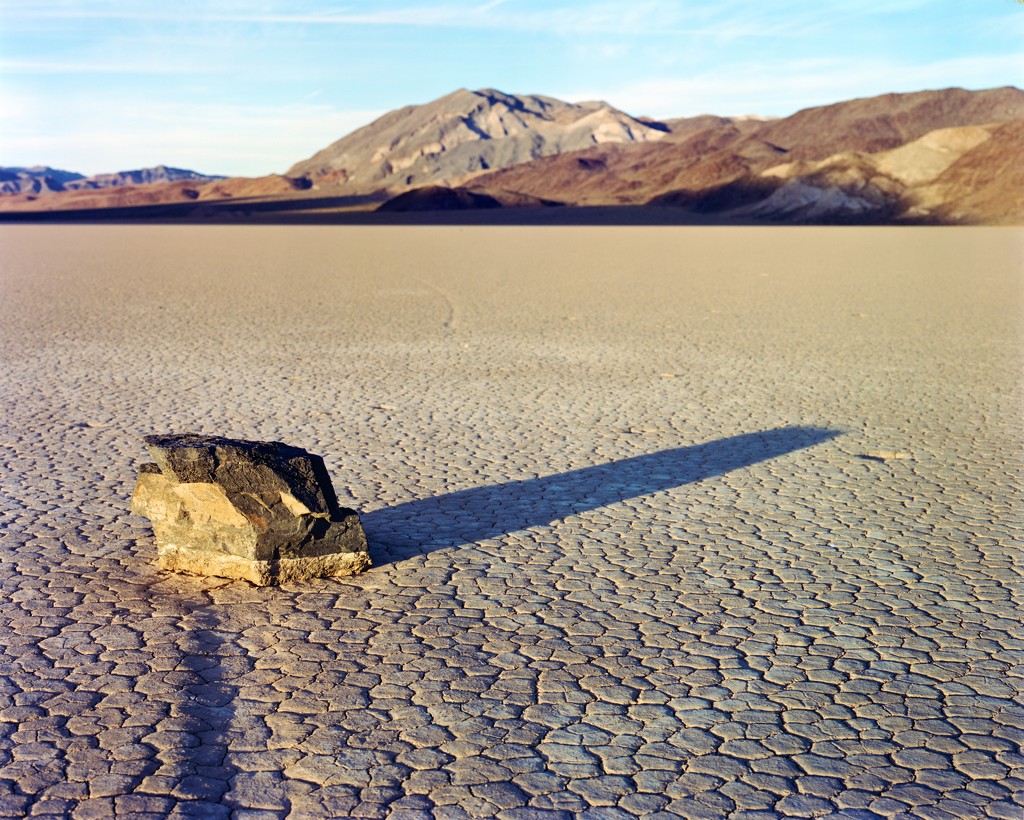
{"x": 726, "y": 18}
{"x": 782, "y": 88}
{"x": 99, "y": 67}
{"x": 224, "y": 75}
{"x": 221, "y": 11}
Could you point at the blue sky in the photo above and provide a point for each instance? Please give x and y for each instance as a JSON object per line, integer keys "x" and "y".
{"x": 248, "y": 87}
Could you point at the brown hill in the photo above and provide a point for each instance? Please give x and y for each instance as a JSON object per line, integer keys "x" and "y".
{"x": 718, "y": 168}
{"x": 685, "y": 127}
{"x": 273, "y": 185}
{"x": 951, "y": 175}
{"x": 985, "y": 185}
{"x": 440, "y": 198}
{"x": 880, "y": 123}
{"x": 632, "y": 174}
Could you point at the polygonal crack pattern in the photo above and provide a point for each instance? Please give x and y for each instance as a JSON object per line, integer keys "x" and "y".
{"x": 806, "y": 632}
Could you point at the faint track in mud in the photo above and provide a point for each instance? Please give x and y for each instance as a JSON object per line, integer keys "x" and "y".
{"x": 450, "y": 322}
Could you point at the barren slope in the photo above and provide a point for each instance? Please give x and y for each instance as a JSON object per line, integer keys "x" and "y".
{"x": 632, "y": 174}
{"x": 697, "y": 160}
{"x": 464, "y": 134}
{"x": 986, "y": 184}
{"x": 881, "y": 123}
{"x": 968, "y": 174}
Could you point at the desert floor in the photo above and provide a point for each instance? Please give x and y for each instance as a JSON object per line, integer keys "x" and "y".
{"x": 677, "y": 522}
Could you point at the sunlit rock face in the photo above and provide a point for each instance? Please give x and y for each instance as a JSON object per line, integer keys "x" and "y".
{"x": 264, "y": 512}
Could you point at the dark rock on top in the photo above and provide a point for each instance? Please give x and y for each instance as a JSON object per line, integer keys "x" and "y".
{"x": 262, "y": 511}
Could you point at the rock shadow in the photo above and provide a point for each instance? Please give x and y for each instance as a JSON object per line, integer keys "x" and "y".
{"x": 479, "y": 513}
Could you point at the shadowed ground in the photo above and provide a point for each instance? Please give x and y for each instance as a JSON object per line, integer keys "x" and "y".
{"x": 480, "y": 513}
{"x": 359, "y": 211}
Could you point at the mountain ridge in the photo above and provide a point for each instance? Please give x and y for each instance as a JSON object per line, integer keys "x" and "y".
{"x": 41, "y": 179}
{"x": 35, "y": 179}
{"x": 946, "y": 155}
{"x": 719, "y": 168}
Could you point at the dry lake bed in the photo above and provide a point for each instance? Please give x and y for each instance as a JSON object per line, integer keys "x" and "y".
{"x": 666, "y": 522}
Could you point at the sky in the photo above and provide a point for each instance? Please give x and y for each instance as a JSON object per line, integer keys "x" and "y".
{"x": 249, "y": 87}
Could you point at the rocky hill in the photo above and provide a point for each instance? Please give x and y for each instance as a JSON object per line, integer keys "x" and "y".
{"x": 465, "y": 134}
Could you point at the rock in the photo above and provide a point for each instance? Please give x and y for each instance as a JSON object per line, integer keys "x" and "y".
{"x": 261, "y": 511}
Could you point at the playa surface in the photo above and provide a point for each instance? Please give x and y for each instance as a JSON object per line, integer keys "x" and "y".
{"x": 705, "y": 522}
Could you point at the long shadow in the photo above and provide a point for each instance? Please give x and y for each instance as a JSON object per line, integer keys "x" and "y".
{"x": 286, "y": 210}
{"x": 345, "y": 211}
{"x": 467, "y": 516}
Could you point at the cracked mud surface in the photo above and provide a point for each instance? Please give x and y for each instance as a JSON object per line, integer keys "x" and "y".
{"x": 669, "y": 523}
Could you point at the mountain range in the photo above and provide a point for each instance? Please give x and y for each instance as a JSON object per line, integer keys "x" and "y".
{"x": 898, "y": 156}
{"x": 43, "y": 179}
{"x": 946, "y": 156}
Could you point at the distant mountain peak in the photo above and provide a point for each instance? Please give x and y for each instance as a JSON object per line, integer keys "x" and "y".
{"x": 143, "y": 176}
{"x": 463, "y": 134}
{"x": 37, "y": 179}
